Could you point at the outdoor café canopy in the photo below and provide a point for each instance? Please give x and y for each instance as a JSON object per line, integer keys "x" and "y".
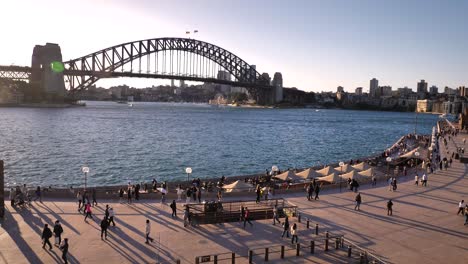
{"x": 326, "y": 171}
{"x": 344, "y": 169}
{"x": 308, "y": 174}
{"x": 289, "y": 175}
{"x": 238, "y": 186}
{"x": 411, "y": 154}
{"x": 367, "y": 173}
{"x": 361, "y": 166}
{"x": 331, "y": 178}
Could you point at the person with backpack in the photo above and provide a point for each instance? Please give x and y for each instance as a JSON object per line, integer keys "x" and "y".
{"x": 64, "y": 248}
{"x": 58, "y": 230}
{"x": 46, "y": 235}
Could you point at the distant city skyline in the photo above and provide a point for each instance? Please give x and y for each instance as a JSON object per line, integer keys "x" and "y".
{"x": 316, "y": 45}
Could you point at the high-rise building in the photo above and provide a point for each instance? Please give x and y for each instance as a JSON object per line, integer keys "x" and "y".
{"x": 422, "y": 87}
{"x": 358, "y": 91}
{"x": 385, "y": 90}
{"x": 374, "y": 88}
{"x": 449, "y": 91}
{"x": 433, "y": 90}
{"x": 278, "y": 84}
{"x": 339, "y": 89}
{"x": 463, "y": 91}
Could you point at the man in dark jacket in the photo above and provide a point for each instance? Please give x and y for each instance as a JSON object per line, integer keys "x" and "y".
{"x": 46, "y": 235}
{"x": 174, "y": 208}
{"x": 64, "y": 248}
{"x": 58, "y": 230}
{"x": 104, "y": 225}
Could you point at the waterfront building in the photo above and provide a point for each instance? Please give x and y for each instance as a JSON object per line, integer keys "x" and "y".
{"x": 358, "y": 91}
{"x": 385, "y": 90}
{"x": 433, "y": 90}
{"x": 422, "y": 87}
{"x": 339, "y": 89}
{"x": 463, "y": 91}
{"x": 373, "y": 88}
{"x": 405, "y": 91}
{"x": 424, "y": 106}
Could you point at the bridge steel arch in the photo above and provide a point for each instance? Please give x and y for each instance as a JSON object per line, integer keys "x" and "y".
{"x": 83, "y": 72}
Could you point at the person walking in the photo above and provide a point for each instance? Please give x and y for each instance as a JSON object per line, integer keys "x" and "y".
{"x": 79, "y": 198}
{"x": 38, "y": 194}
{"x": 148, "y": 231}
{"x": 186, "y": 216}
{"x": 461, "y": 206}
{"x": 317, "y": 191}
{"x": 247, "y": 217}
{"x": 358, "y": 202}
{"x": 416, "y": 180}
{"x": 104, "y": 226}
{"x": 466, "y": 215}
{"x": 129, "y": 195}
{"x": 276, "y": 215}
{"x": 424, "y": 180}
{"x": 58, "y": 230}
{"x": 12, "y": 197}
{"x": 174, "y": 208}
{"x": 390, "y": 207}
{"x": 286, "y": 227}
{"x": 93, "y": 194}
{"x": 64, "y": 248}
{"x": 374, "y": 180}
{"x": 111, "y": 216}
{"x": 121, "y": 194}
{"x": 294, "y": 233}
{"x": 310, "y": 191}
{"x": 106, "y": 212}
{"x": 258, "y": 191}
{"x": 46, "y": 235}
{"x": 199, "y": 194}
{"x": 88, "y": 211}
{"x": 180, "y": 191}
{"x": 188, "y": 194}
{"x": 394, "y": 184}
{"x": 390, "y": 184}
{"x": 242, "y": 213}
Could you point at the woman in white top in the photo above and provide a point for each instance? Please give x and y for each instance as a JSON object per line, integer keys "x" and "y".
{"x": 294, "y": 233}
{"x": 416, "y": 180}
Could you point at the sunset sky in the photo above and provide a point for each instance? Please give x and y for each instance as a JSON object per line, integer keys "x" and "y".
{"x": 317, "y": 45}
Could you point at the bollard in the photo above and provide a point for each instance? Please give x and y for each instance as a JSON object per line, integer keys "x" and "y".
{"x": 327, "y": 235}
{"x": 308, "y": 223}
{"x": 266, "y": 254}
{"x": 282, "y": 252}
{"x": 197, "y": 260}
{"x": 298, "y": 249}
{"x": 215, "y": 259}
{"x": 250, "y": 256}
{"x": 177, "y": 261}
{"x": 299, "y": 217}
{"x": 316, "y": 229}
{"x": 349, "y": 251}
{"x": 337, "y": 243}
{"x": 342, "y": 241}
{"x": 233, "y": 258}
{"x": 326, "y": 244}
{"x": 312, "y": 247}
{"x": 361, "y": 258}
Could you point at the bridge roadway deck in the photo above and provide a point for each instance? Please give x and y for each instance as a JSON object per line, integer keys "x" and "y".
{"x": 424, "y": 227}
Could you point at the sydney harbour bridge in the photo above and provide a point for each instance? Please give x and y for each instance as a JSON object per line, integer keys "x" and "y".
{"x": 159, "y": 58}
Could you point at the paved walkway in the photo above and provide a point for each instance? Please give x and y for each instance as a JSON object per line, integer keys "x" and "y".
{"x": 424, "y": 227}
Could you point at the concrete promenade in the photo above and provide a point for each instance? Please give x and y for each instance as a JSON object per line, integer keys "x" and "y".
{"x": 424, "y": 227}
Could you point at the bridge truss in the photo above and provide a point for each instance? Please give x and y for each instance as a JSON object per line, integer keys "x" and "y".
{"x": 14, "y": 73}
{"x": 165, "y": 58}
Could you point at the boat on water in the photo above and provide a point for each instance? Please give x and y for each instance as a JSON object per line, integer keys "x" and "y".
{"x": 130, "y": 104}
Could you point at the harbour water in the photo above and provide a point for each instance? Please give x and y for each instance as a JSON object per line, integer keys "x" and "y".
{"x": 119, "y": 143}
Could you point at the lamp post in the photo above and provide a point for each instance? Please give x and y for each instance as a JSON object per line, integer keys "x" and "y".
{"x": 417, "y": 156}
{"x": 341, "y": 168}
{"x": 389, "y": 159}
{"x": 188, "y": 170}
{"x": 85, "y": 170}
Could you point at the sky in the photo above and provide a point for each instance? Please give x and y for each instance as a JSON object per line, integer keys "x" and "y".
{"x": 316, "y": 45}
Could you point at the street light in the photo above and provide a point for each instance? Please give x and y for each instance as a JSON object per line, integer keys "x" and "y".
{"x": 341, "y": 167}
{"x": 389, "y": 159}
{"x": 417, "y": 156}
{"x": 188, "y": 170}
{"x": 85, "y": 170}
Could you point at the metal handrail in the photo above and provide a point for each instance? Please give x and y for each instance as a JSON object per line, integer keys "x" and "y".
{"x": 376, "y": 258}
